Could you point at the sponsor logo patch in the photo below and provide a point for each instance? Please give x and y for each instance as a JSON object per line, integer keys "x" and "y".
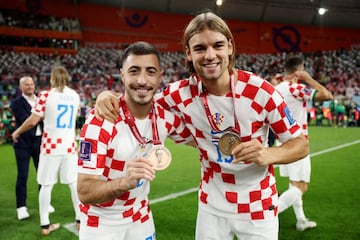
{"x": 85, "y": 151}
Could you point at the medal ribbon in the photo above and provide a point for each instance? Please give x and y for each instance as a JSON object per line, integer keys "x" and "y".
{"x": 213, "y": 125}
{"x": 130, "y": 121}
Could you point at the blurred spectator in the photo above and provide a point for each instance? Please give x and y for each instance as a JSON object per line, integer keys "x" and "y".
{"x": 95, "y": 69}
{"x": 20, "y": 19}
{"x": 351, "y": 111}
{"x": 3, "y": 133}
{"x": 6, "y": 115}
{"x": 340, "y": 113}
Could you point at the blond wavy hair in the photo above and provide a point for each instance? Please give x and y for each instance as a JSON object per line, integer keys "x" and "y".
{"x": 60, "y": 78}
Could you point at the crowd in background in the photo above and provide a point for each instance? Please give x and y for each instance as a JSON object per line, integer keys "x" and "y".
{"x": 25, "y": 20}
{"x": 15, "y": 18}
{"x": 95, "y": 69}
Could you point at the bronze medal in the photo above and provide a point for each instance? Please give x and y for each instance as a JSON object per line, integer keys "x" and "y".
{"x": 231, "y": 138}
{"x": 160, "y": 157}
{"x": 227, "y": 142}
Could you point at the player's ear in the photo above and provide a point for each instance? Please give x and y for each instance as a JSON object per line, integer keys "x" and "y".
{"x": 188, "y": 55}
{"x": 122, "y": 76}
{"x": 231, "y": 47}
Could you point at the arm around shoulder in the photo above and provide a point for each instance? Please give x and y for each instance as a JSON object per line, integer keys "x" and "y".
{"x": 107, "y": 105}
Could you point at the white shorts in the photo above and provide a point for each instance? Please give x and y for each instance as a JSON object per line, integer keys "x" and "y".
{"x": 209, "y": 226}
{"x": 134, "y": 231}
{"x": 297, "y": 171}
{"x": 50, "y": 167}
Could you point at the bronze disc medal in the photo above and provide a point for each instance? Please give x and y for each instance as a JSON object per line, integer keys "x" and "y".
{"x": 160, "y": 157}
{"x": 227, "y": 142}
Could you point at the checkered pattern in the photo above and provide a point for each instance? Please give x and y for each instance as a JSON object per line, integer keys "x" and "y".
{"x": 297, "y": 95}
{"x": 243, "y": 191}
{"x": 111, "y": 146}
{"x": 59, "y": 111}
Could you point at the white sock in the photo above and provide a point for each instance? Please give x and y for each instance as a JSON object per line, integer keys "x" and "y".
{"x": 299, "y": 210}
{"x": 288, "y": 198}
{"x": 44, "y": 204}
{"x": 75, "y": 199}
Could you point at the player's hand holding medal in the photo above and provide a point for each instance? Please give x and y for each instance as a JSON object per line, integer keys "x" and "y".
{"x": 159, "y": 155}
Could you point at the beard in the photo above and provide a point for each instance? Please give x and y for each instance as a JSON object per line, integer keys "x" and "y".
{"x": 140, "y": 99}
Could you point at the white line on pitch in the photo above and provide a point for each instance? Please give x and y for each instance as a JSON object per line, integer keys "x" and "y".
{"x": 179, "y": 194}
{"x": 334, "y": 148}
{"x": 173, "y": 195}
{"x": 72, "y": 228}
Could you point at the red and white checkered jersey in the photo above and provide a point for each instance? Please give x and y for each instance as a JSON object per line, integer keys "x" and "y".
{"x": 59, "y": 110}
{"x": 105, "y": 148}
{"x": 296, "y": 96}
{"x": 245, "y": 190}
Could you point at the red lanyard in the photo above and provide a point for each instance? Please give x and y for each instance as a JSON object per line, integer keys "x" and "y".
{"x": 130, "y": 121}
{"x": 235, "y": 129}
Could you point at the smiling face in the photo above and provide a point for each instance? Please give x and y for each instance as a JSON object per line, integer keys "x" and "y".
{"x": 27, "y": 86}
{"x": 141, "y": 76}
{"x": 209, "y": 51}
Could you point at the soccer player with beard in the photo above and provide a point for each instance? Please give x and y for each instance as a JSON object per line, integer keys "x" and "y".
{"x": 114, "y": 165}
{"x": 229, "y": 113}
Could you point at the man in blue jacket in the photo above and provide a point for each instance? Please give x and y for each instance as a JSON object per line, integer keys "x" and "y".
{"x": 28, "y": 144}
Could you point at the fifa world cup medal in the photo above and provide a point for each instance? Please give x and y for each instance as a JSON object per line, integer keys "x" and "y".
{"x": 228, "y": 142}
{"x": 160, "y": 157}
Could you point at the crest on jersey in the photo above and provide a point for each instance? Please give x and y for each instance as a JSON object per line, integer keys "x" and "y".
{"x": 85, "y": 151}
{"x": 218, "y": 118}
{"x": 142, "y": 146}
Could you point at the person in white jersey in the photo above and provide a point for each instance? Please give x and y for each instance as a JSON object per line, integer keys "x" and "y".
{"x": 58, "y": 108}
{"x": 229, "y": 113}
{"x": 116, "y": 158}
{"x": 297, "y": 95}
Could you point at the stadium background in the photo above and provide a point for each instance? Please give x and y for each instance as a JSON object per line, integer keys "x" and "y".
{"x": 260, "y": 28}
{"x": 287, "y": 26}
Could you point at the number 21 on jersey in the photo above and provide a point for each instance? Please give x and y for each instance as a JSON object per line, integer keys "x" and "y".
{"x": 65, "y": 116}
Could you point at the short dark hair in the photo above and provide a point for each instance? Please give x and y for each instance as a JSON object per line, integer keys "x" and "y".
{"x": 141, "y": 48}
{"x": 292, "y": 62}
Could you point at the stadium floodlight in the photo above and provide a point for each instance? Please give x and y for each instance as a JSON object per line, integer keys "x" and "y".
{"x": 322, "y": 11}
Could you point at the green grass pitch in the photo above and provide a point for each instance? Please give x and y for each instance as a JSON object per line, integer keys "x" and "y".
{"x": 332, "y": 199}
